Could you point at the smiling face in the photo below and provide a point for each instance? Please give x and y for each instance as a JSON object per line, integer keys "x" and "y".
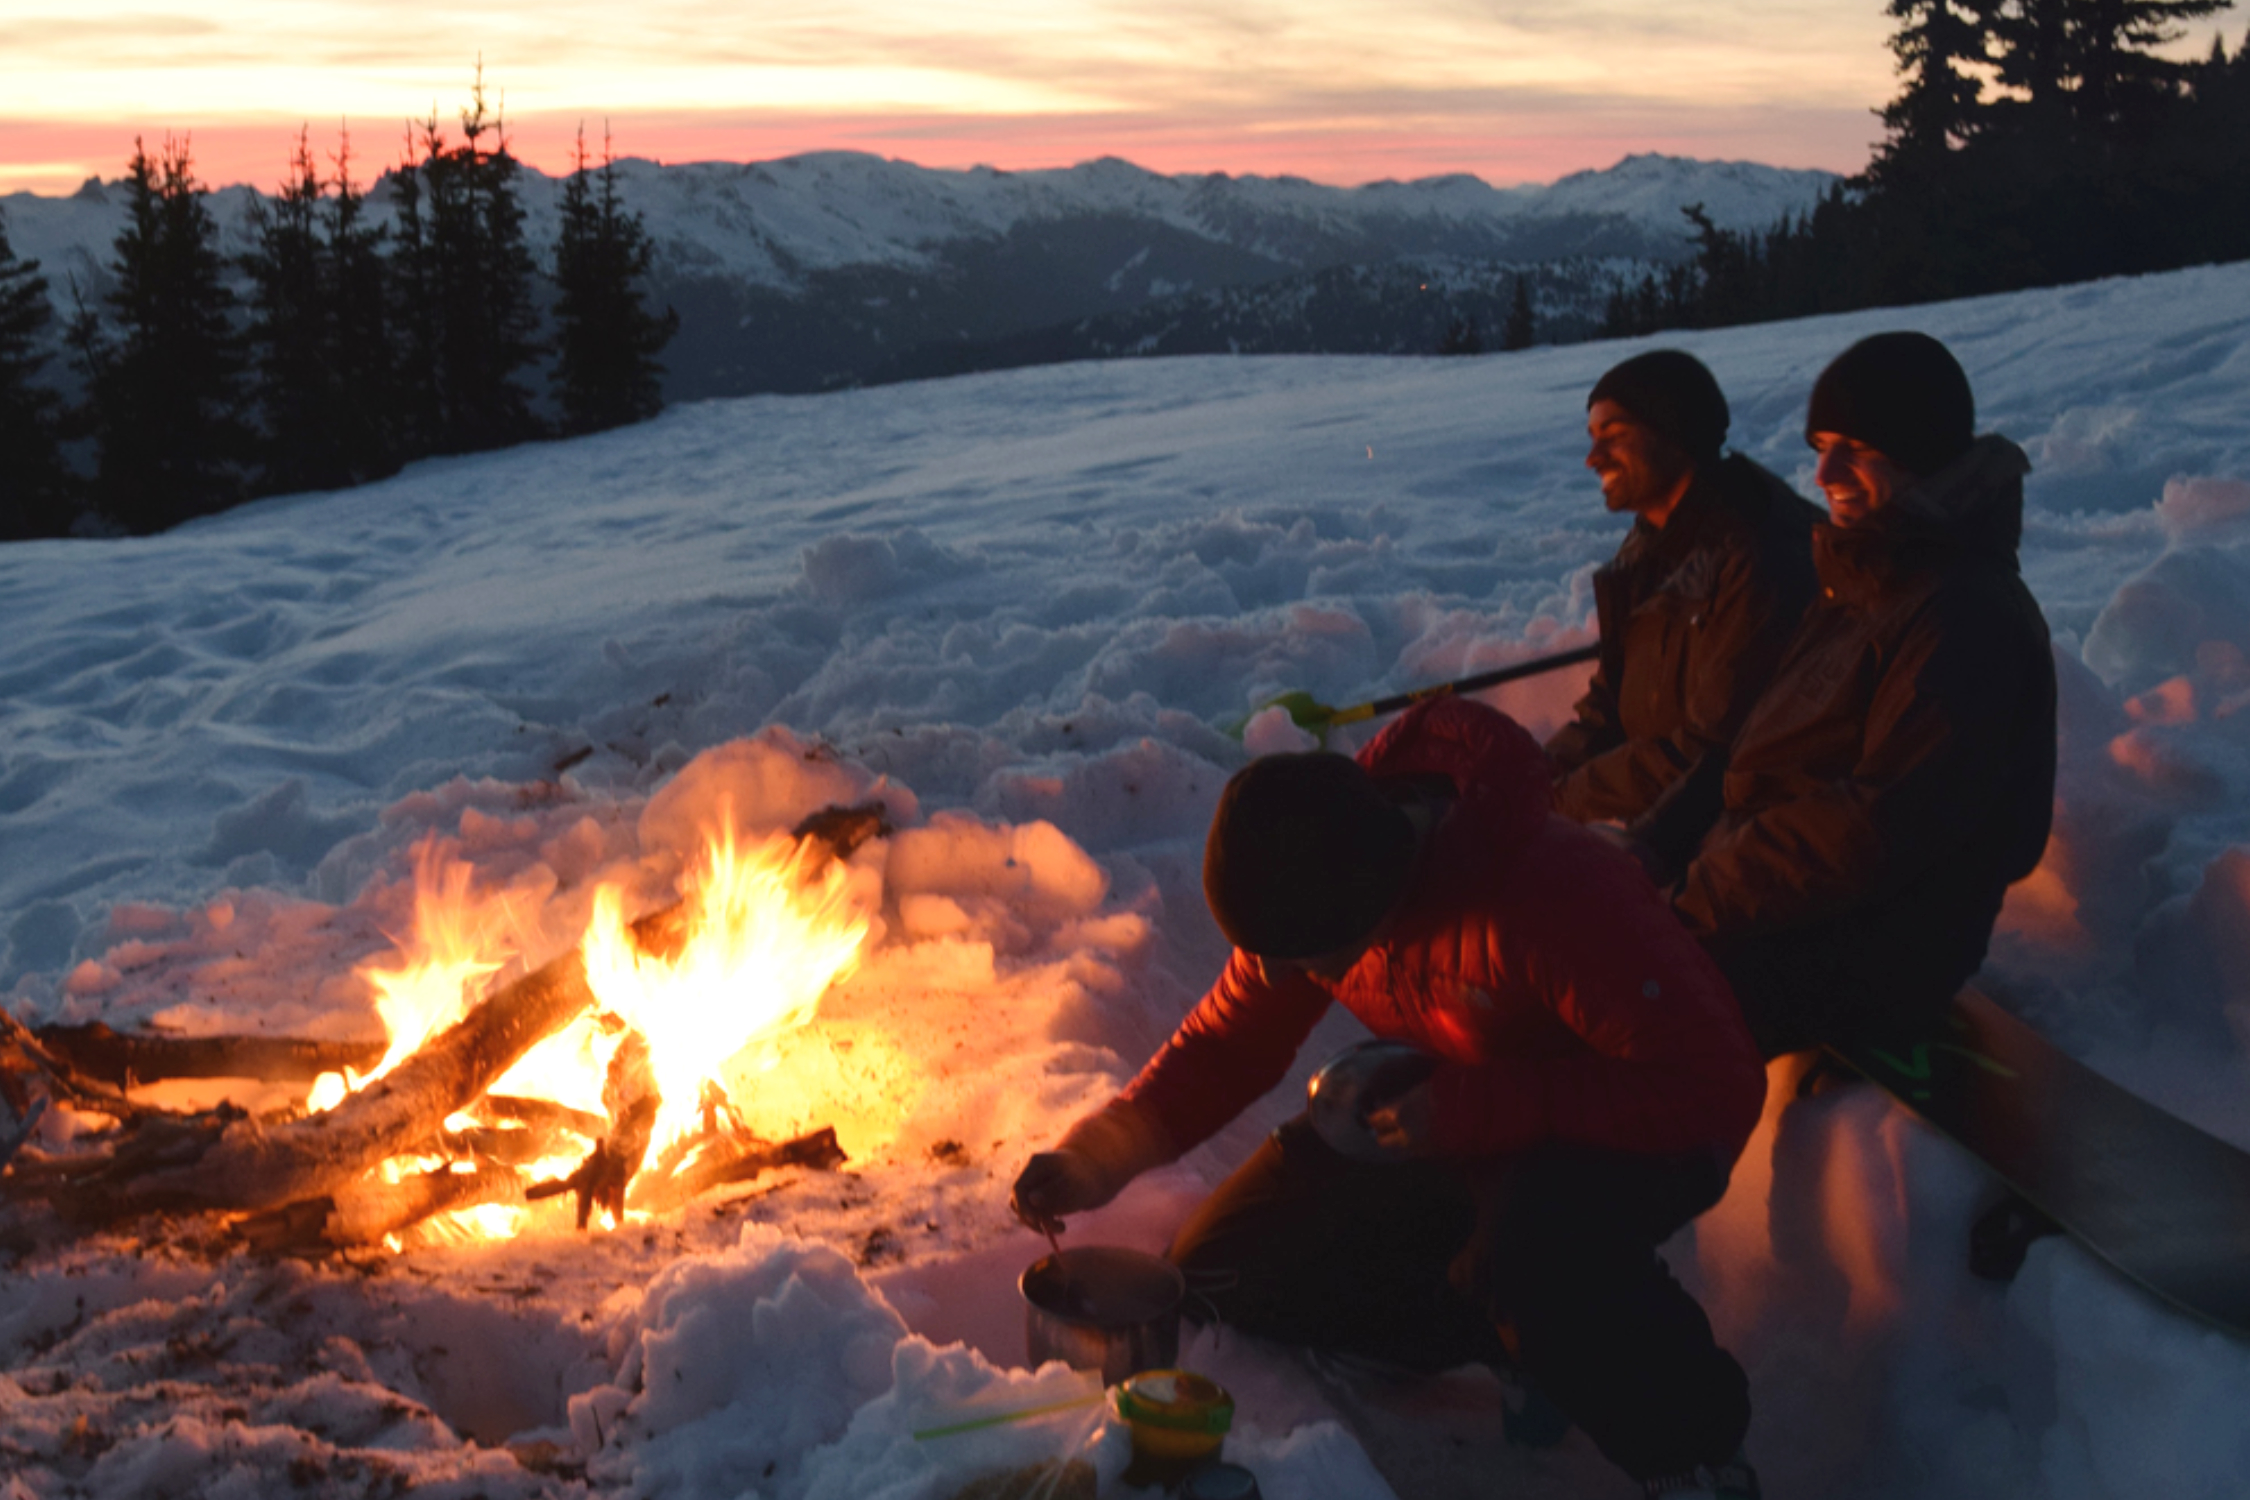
{"x": 1857, "y": 479}
{"x": 1640, "y": 471}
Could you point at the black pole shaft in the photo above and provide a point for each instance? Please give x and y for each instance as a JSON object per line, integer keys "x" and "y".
{"x": 1483, "y": 680}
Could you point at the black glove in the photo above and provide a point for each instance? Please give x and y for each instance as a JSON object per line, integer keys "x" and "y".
{"x": 1059, "y": 1182}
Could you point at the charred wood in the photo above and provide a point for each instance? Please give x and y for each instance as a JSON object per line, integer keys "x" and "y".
{"x": 735, "y": 1160}
{"x": 127, "y": 1058}
{"x": 630, "y": 1095}
{"x": 23, "y": 1058}
{"x": 249, "y": 1164}
{"x": 844, "y": 829}
{"x": 363, "y": 1212}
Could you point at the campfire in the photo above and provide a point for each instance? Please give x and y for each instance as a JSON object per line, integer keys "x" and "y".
{"x": 590, "y": 1079}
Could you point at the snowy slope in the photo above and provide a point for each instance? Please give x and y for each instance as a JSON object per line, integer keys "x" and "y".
{"x": 1016, "y": 605}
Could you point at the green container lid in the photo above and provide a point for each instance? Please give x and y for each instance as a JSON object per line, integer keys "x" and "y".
{"x": 1176, "y": 1400}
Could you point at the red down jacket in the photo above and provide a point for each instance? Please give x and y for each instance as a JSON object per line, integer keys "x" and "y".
{"x": 1534, "y": 958}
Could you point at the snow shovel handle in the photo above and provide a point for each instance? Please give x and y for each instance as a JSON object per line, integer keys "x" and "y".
{"x": 1477, "y": 683}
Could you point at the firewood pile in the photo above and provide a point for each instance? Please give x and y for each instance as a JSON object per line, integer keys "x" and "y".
{"x": 299, "y": 1183}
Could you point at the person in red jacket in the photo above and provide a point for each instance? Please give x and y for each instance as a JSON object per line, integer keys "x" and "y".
{"x": 1592, "y": 1084}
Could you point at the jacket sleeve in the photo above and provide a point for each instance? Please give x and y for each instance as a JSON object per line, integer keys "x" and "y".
{"x": 1747, "y": 622}
{"x": 1232, "y": 1048}
{"x": 1667, "y": 1064}
{"x": 1944, "y": 725}
{"x": 1593, "y": 731}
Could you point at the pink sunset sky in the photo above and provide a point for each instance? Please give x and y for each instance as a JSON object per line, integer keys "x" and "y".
{"x": 1509, "y": 90}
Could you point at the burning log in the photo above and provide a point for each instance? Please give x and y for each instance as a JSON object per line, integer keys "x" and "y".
{"x": 247, "y": 1164}
{"x": 23, "y": 1057}
{"x": 363, "y": 1212}
{"x": 124, "y": 1059}
{"x": 534, "y": 1131}
{"x": 629, "y": 1094}
{"x": 310, "y": 1180}
{"x": 735, "y": 1160}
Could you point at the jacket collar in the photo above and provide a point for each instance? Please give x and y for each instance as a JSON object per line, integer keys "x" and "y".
{"x": 1971, "y": 509}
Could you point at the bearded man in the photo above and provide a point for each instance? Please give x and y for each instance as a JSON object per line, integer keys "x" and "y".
{"x": 1899, "y": 773}
{"x": 1695, "y": 609}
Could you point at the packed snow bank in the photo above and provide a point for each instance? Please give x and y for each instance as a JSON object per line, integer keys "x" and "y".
{"x": 1018, "y": 610}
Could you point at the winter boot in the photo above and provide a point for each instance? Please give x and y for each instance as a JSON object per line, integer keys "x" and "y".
{"x": 1732, "y": 1480}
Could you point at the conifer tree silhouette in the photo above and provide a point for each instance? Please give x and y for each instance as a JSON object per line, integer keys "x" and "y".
{"x": 35, "y": 486}
{"x": 463, "y": 287}
{"x": 164, "y": 387}
{"x": 367, "y": 421}
{"x": 318, "y": 335}
{"x": 1521, "y": 329}
{"x": 607, "y": 372}
{"x": 288, "y": 336}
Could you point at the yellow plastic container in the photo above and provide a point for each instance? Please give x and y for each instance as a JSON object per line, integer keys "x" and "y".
{"x": 1177, "y": 1419}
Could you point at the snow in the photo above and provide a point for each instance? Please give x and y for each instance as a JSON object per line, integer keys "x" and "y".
{"x": 1019, "y": 609}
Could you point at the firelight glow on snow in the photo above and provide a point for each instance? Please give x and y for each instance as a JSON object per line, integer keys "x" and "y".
{"x": 1013, "y": 608}
{"x": 1330, "y": 90}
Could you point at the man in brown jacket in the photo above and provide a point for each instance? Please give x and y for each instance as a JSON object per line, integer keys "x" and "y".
{"x": 1899, "y": 773}
{"x": 1695, "y": 609}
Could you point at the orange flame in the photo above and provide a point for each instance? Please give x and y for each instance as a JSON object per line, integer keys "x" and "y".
{"x": 458, "y": 937}
{"x": 769, "y": 930}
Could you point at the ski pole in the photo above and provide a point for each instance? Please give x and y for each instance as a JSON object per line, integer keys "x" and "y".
{"x": 1001, "y": 1419}
{"x": 1308, "y": 712}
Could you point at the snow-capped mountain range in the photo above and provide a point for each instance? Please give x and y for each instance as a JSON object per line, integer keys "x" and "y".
{"x": 827, "y": 268}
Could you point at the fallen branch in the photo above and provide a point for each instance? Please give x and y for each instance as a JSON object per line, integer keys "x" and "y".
{"x": 252, "y": 1165}
{"x": 62, "y": 1080}
{"x": 731, "y": 1160}
{"x": 629, "y": 1094}
{"x": 535, "y": 1130}
{"x": 363, "y": 1212}
{"x": 128, "y": 1058}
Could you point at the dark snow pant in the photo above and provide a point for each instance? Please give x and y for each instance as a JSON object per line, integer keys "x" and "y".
{"x": 1805, "y": 989}
{"x": 1546, "y": 1260}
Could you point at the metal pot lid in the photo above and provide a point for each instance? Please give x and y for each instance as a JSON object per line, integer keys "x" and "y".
{"x": 1103, "y": 1286}
{"x": 1358, "y": 1079}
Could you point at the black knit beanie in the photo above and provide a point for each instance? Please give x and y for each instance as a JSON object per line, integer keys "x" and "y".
{"x": 1305, "y": 856}
{"x": 1902, "y": 394}
{"x": 1670, "y": 392}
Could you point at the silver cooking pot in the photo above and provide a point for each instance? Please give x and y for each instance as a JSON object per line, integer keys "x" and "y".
{"x": 1102, "y": 1307}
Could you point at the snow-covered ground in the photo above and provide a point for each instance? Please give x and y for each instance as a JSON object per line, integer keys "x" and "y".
{"x": 1016, "y": 606}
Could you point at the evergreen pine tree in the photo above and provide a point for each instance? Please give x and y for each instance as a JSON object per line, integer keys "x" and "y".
{"x": 1938, "y": 45}
{"x": 361, "y": 363}
{"x": 35, "y": 488}
{"x": 486, "y": 274}
{"x": 1520, "y": 331}
{"x": 463, "y": 289}
{"x": 2121, "y": 82}
{"x": 318, "y": 334}
{"x": 415, "y": 307}
{"x": 288, "y": 333}
{"x": 164, "y": 391}
{"x": 606, "y": 368}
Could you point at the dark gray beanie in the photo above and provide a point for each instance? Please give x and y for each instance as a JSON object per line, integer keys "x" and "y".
{"x": 1305, "y": 855}
{"x": 1902, "y": 394}
{"x": 1669, "y": 392}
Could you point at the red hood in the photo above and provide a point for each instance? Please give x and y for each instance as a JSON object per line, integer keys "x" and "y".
{"x": 1494, "y": 763}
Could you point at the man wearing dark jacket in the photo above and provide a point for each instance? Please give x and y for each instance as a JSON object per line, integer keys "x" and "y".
{"x": 1695, "y": 609}
{"x": 1899, "y": 773}
{"x": 1591, "y": 1084}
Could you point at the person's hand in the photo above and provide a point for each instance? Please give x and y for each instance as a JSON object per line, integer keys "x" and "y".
{"x": 1055, "y": 1183}
{"x": 1401, "y": 1124}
